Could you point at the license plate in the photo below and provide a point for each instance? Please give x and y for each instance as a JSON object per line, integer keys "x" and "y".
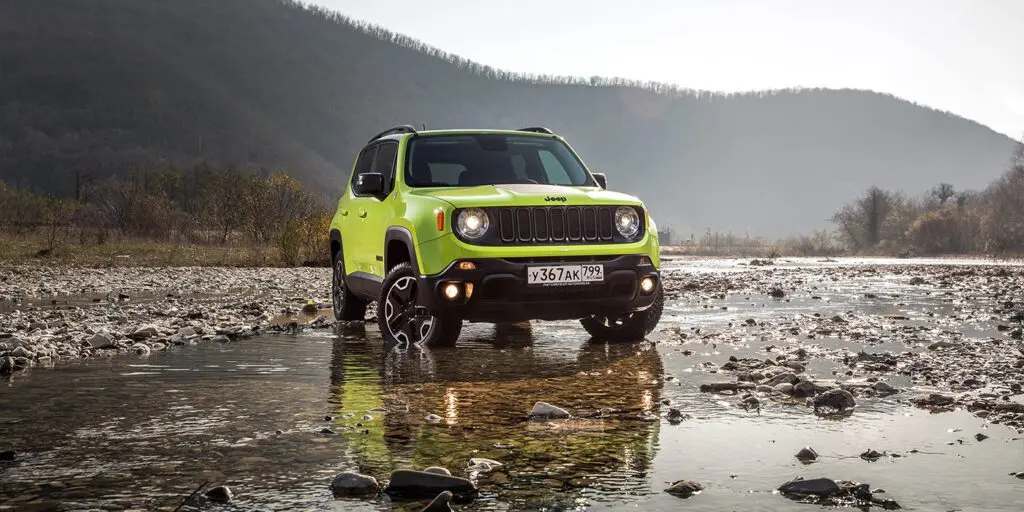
{"x": 565, "y": 274}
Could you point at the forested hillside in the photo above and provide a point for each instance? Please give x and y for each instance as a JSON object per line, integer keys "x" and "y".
{"x": 90, "y": 88}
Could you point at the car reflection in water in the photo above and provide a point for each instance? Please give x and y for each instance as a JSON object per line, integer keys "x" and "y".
{"x": 478, "y": 397}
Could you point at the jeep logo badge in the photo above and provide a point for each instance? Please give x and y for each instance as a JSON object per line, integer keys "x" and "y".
{"x": 560, "y": 199}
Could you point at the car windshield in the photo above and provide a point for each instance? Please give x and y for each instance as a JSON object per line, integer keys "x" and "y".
{"x": 492, "y": 159}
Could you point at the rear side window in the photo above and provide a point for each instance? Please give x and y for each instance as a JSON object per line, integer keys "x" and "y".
{"x": 385, "y": 163}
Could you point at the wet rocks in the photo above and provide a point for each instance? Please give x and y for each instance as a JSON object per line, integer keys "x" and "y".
{"x": 542, "y": 410}
{"x": 940, "y": 345}
{"x": 777, "y": 293}
{"x": 980, "y": 437}
{"x": 483, "y": 465}
{"x": 871, "y": 455}
{"x": 685, "y": 489}
{"x": 934, "y": 401}
{"x": 141, "y": 349}
{"x": 782, "y": 378}
{"x": 438, "y": 470}
{"x": 354, "y": 484}
{"x": 440, "y": 503}
{"x": 420, "y": 484}
{"x": 6, "y": 365}
{"x": 433, "y": 418}
{"x": 834, "y": 401}
{"x": 8, "y": 456}
{"x": 816, "y": 487}
{"x": 675, "y": 416}
{"x": 828, "y": 492}
{"x": 807, "y": 455}
{"x": 719, "y": 387}
{"x": 219, "y": 494}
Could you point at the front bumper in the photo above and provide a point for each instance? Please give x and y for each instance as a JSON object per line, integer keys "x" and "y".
{"x": 500, "y": 293}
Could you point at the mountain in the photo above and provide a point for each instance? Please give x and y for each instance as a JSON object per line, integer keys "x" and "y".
{"x": 98, "y": 87}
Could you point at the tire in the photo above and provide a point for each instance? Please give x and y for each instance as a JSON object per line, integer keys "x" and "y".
{"x": 628, "y": 327}
{"x": 397, "y": 318}
{"x": 347, "y": 307}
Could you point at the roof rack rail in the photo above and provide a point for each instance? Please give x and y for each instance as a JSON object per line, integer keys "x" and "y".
{"x": 536, "y": 129}
{"x": 405, "y": 128}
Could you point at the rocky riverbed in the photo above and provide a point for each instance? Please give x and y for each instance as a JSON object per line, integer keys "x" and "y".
{"x": 799, "y": 379}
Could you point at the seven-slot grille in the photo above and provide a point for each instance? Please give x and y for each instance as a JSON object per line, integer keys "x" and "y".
{"x": 553, "y": 224}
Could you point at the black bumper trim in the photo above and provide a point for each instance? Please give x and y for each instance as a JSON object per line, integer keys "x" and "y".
{"x": 500, "y": 292}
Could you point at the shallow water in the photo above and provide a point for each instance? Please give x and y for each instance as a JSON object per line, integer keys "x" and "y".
{"x": 143, "y": 432}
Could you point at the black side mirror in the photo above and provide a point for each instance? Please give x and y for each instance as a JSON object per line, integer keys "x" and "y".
{"x": 601, "y": 179}
{"x": 369, "y": 184}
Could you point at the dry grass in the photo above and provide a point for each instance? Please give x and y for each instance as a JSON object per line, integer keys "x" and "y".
{"x": 141, "y": 253}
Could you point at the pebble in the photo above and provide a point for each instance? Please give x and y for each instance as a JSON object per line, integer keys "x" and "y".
{"x": 220, "y": 494}
{"x": 807, "y": 454}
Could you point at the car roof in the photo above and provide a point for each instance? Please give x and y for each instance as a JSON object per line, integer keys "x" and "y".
{"x": 463, "y": 131}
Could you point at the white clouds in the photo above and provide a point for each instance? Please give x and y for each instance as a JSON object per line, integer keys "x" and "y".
{"x": 960, "y": 55}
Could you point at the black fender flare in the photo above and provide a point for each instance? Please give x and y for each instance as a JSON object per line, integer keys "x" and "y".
{"x": 400, "y": 234}
{"x": 335, "y": 238}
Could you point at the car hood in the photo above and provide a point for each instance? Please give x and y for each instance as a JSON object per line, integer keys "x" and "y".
{"x": 526, "y": 195}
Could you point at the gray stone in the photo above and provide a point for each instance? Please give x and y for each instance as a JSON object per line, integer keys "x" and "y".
{"x": 6, "y": 365}
{"x": 546, "y": 410}
{"x": 782, "y": 378}
{"x": 420, "y": 484}
{"x": 141, "y": 349}
{"x": 22, "y": 352}
{"x": 685, "y": 488}
{"x": 939, "y": 345}
{"x": 100, "y": 341}
{"x": 221, "y": 339}
{"x": 354, "y": 484}
{"x": 433, "y": 418}
{"x": 838, "y": 400}
{"x": 785, "y": 389}
{"x": 144, "y": 332}
{"x": 884, "y": 388}
{"x": 807, "y": 454}
{"x": 804, "y": 389}
{"x": 438, "y": 470}
{"x": 440, "y": 504}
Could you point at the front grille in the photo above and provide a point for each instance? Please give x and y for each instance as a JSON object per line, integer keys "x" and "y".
{"x": 557, "y": 224}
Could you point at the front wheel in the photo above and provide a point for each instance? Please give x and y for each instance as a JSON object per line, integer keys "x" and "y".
{"x": 403, "y": 321}
{"x": 629, "y": 326}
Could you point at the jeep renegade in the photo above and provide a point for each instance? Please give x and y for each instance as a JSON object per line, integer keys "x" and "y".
{"x": 503, "y": 226}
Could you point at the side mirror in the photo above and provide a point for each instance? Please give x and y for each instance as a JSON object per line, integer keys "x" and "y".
{"x": 601, "y": 179}
{"x": 369, "y": 184}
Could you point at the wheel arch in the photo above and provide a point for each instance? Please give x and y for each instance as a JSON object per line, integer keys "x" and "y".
{"x": 398, "y": 248}
{"x": 335, "y": 244}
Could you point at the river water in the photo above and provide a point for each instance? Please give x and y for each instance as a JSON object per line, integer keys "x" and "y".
{"x": 143, "y": 432}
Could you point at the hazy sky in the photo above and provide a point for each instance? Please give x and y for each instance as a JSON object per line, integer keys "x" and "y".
{"x": 965, "y": 56}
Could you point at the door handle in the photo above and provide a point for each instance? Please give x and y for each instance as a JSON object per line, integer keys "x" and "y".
{"x": 344, "y": 213}
{"x": 362, "y": 213}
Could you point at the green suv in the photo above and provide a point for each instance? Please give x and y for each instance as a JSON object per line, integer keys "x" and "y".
{"x": 503, "y": 226}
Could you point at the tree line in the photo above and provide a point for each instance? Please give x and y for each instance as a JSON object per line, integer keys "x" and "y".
{"x": 200, "y": 206}
{"x": 941, "y": 221}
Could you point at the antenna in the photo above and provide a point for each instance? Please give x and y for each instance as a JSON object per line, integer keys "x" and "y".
{"x": 424, "y": 126}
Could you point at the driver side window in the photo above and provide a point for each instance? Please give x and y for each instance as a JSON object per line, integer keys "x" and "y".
{"x": 363, "y": 165}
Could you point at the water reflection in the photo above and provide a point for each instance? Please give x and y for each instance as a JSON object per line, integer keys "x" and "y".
{"x": 444, "y": 406}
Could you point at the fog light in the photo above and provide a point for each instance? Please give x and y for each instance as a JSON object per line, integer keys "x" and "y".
{"x": 647, "y": 284}
{"x": 469, "y": 290}
{"x": 451, "y": 291}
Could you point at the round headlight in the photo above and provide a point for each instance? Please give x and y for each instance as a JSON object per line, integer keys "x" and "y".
{"x": 627, "y": 221}
{"x": 473, "y": 223}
